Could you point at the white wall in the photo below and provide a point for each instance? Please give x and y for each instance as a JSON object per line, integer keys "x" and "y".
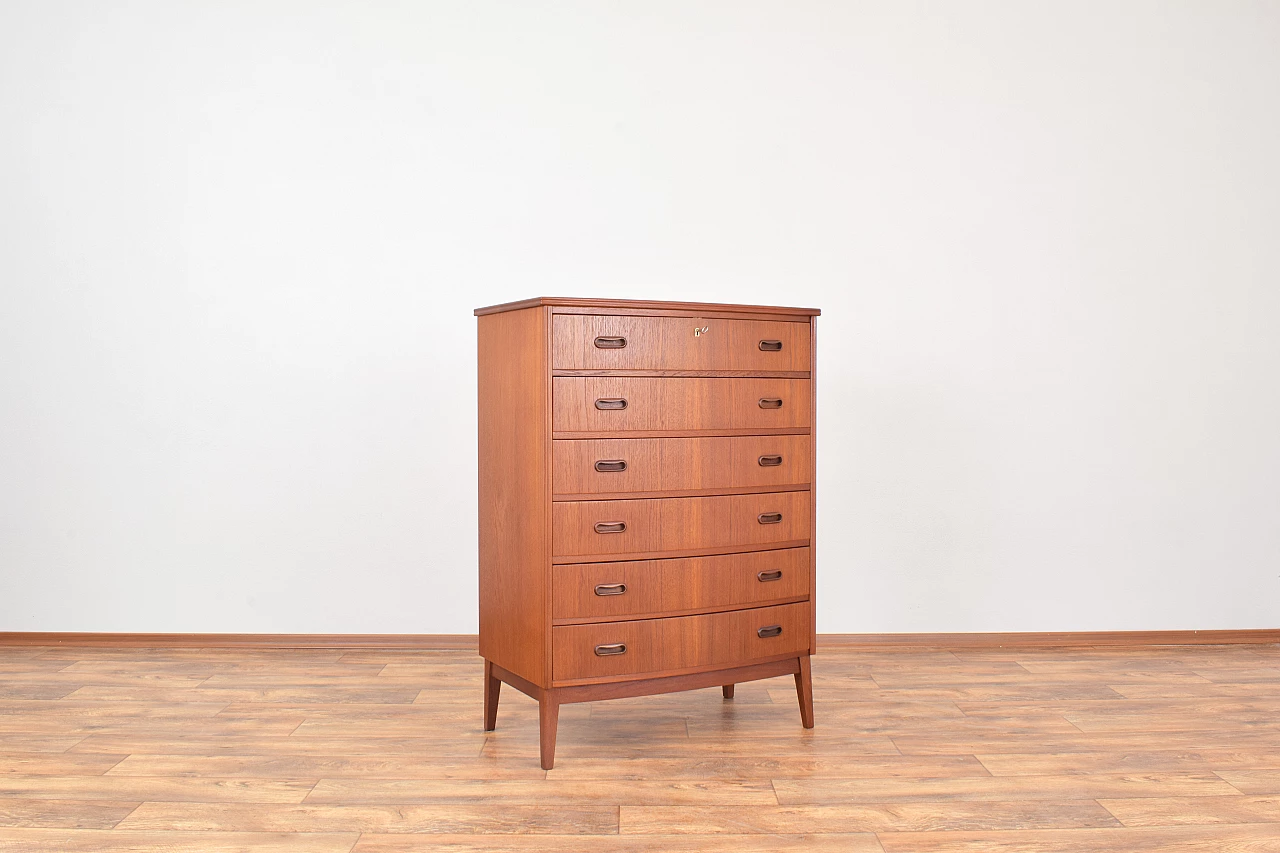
{"x": 241, "y": 244}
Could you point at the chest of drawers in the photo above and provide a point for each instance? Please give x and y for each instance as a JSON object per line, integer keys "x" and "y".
{"x": 646, "y": 500}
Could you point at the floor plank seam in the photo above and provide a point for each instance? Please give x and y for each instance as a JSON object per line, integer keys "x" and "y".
{"x": 129, "y": 815}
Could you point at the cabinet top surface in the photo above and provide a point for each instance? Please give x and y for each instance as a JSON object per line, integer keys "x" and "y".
{"x": 641, "y": 304}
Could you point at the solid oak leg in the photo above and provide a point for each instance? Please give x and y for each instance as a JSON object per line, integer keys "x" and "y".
{"x": 727, "y": 690}
{"x": 548, "y": 717}
{"x": 804, "y": 692}
{"x": 492, "y": 686}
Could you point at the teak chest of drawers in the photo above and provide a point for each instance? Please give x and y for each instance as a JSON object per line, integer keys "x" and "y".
{"x": 646, "y": 499}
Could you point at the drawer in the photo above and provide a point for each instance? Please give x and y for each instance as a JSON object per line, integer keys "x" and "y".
{"x": 589, "y": 528}
{"x": 608, "y": 403}
{"x": 602, "y": 466}
{"x": 655, "y": 646}
{"x": 595, "y": 342}
{"x": 645, "y": 588}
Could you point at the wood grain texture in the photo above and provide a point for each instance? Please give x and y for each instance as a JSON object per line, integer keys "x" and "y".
{"x": 1257, "y": 838}
{"x": 513, "y": 492}
{"x": 678, "y": 643}
{"x": 793, "y": 843}
{"x": 640, "y": 306}
{"x": 699, "y": 677}
{"x": 902, "y": 762}
{"x": 677, "y": 433}
{"x": 670, "y": 343}
{"x": 727, "y": 374}
{"x": 678, "y": 404}
{"x": 113, "y": 841}
{"x": 677, "y": 524}
{"x": 813, "y": 488}
{"x": 681, "y": 586}
{"x": 679, "y": 464}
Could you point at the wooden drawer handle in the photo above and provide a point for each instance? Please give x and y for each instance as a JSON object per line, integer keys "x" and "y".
{"x": 618, "y": 648}
{"x": 766, "y": 632}
{"x": 619, "y": 403}
{"x": 617, "y": 526}
{"x": 765, "y": 346}
{"x": 765, "y": 518}
{"x": 770, "y": 461}
{"x": 763, "y": 577}
{"x": 765, "y": 403}
{"x": 615, "y": 343}
{"x": 604, "y": 466}
{"x": 611, "y": 589}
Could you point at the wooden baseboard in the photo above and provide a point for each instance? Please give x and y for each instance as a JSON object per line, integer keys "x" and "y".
{"x": 1049, "y": 639}
{"x": 241, "y": 641}
{"x": 868, "y": 642}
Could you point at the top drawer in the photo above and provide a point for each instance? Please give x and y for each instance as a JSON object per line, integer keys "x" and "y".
{"x": 598, "y": 342}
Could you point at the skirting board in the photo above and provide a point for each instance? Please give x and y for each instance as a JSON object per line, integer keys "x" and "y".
{"x": 1050, "y": 639}
{"x": 1047, "y": 640}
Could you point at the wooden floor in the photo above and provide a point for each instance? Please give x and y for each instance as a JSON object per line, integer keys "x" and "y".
{"x": 1150, "y": 749}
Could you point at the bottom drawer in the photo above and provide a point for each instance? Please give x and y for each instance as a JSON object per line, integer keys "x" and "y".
{"x": 655, "y": 646}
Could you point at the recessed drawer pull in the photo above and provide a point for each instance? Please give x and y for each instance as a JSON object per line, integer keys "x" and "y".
{"x": 765, "y": 346}
{"x": 764, "y": 633}
{"x": 620, "y": 403}
{"x": 765, "y": 403}
{"x": 770, "y": 461}
{"x": 621, "y": 648}
{"x": 763, "y": 577}
{"x": 611, "y": 589}
{"x": 765, "y": 518}
{"x": 604, "y": 466}
{"x": 603, "y": 342}
{"x": 619, "y": 526}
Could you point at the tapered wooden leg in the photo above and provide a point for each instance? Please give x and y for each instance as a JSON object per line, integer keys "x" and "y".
{"x": 492, "y": 686}
{"x": 727, "y": 690}
{"x": 804, "y": 692}
{"x": 548, "y": 717}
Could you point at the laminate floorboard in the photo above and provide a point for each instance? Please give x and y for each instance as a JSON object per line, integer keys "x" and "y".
{"x": 1172, "y": 748}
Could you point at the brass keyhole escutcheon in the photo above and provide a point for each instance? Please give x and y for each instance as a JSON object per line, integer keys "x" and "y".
{"x": 699, "y": 331}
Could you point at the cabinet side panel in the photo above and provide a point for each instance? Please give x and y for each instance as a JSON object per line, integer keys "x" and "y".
{"x": 813, "y": 488}
{"x": 514, "y": 491}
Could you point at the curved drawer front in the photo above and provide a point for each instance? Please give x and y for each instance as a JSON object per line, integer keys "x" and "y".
{"x": 600, "y": 528}
{"x": 598, "y": 342}
{"x": 601, "y": 466}
{"x": 654, "y": 646}
{"x": 648, "y": 588}
{"x": 607, "y": 403}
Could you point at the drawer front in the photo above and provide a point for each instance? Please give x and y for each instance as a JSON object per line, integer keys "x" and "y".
{"x": 601, "y": 466}
{"x": 647, "y": 588}
{"x": 607, "y": 403}
{"x": 654, "y": 646}
{"x": 594, "y": 342}
{"x": 590, "y": 528}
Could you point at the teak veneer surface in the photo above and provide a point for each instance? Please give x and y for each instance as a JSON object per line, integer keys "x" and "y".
{"x": 514, "y": 491}
{"x": 107, "y": 755}
{"x": 651, "y": 587}
{"x": 679, "y": 403}
{"x": 681, "y": 464}
{"x": 576, "y": 305}
{"x": 672, "y": 435}
{"x": 677, "y": 524}
{"x": 664, "y": 343}
{"x": 680, "y": 644}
